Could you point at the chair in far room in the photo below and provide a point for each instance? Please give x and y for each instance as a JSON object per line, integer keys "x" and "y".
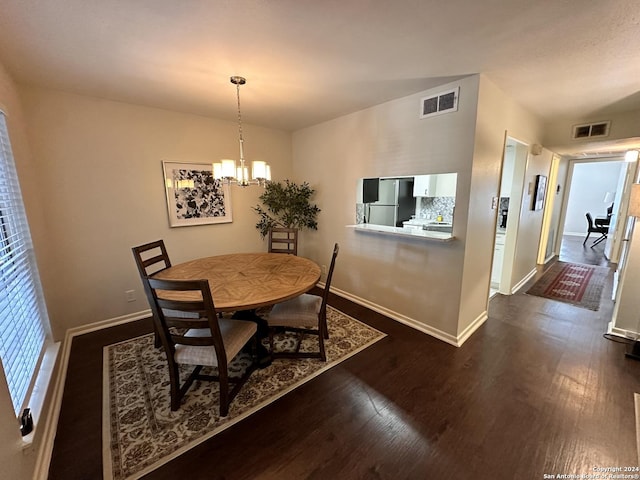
{"x": 592, "y": 228}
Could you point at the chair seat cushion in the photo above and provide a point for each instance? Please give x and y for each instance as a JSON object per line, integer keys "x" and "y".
{"x": 235, "y": 335}
{"x": 300, "y": 311}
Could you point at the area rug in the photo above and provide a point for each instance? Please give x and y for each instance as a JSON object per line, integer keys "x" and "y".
{"x": 141, "y": 433}
{"x": 574, "y": 283}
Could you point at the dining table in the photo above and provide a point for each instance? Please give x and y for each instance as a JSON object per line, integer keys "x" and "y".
{"x": 246, "y": 281}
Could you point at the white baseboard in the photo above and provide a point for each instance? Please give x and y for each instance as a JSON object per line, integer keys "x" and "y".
{"x": 621, "y": 332}
{"x": 473, "y": 326}
{"x": 111, "y": 322}
{"x": 41, "y": 471}
{"x": 522, "y": 282}
{"x": 410, "y": 322}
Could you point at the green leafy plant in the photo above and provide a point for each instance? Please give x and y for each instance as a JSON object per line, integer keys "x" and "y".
{"x": 286, "y": 205}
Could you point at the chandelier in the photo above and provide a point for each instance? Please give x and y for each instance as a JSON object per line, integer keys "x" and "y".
{"x": 227, "y": 171}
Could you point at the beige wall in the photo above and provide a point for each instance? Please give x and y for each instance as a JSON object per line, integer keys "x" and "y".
{"x": 417, "y": 280}
{"x": 497, "y": 117}
{"x": 17, "y": 464}
{"x": 100, "y": 168}
{"x": 530, "y": 220}
{"x": 443, "y": 287}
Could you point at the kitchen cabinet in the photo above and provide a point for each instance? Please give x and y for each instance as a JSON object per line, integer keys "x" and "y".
{"x": 424, "y": 186}
{"x": 446, "y": 185}
{"x": 440, "y": 185}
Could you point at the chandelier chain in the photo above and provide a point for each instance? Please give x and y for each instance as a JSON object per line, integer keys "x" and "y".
{"x": 239, "y": 114}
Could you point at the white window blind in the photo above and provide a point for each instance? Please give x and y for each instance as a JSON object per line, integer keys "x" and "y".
{"x": 23, "y": 320}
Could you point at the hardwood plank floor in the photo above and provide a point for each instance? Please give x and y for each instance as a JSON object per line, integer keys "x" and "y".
{"x": 537, "y": 390}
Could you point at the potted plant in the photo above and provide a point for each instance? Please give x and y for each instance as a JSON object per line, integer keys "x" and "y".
{"x": 286, "y": 205}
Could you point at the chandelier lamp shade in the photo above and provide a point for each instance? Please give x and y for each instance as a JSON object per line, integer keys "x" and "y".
{"x": 228, "y": 171}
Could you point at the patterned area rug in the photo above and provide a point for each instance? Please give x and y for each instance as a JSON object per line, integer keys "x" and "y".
{"x": 141, "y": 433}
{"x": 578, "y": 284}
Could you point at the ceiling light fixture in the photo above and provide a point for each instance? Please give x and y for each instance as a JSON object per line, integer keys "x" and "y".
{"x": 631, "y": 156}
{"x": 226, "y": 170}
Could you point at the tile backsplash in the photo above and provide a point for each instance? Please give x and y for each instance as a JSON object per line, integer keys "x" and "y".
{"x": 359, "y": 213}
{"x": 431, "y": 207}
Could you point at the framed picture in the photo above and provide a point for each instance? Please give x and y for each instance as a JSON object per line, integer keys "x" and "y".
{"x": 539, "y": 192}
{"x": 194, "y": 197}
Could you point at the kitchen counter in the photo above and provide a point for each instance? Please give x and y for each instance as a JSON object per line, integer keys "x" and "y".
{"x": 428, "y": 225}
{"x": 419, "y": 222}
{"x": 416, "y": 232}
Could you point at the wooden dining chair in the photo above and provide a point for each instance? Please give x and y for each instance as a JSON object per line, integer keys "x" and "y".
{"x": 151, "y": 258}
{"x": 201, "y": 340}
{"x": 283, "y": 240}
{"x": 305, "y": 314}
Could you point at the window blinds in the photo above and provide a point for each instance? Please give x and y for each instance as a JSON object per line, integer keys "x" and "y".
{"x": 22, "y": 314}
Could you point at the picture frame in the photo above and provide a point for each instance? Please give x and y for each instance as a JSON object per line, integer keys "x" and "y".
{"x": 539, "y": 192}
{"x": 193, "y": 196}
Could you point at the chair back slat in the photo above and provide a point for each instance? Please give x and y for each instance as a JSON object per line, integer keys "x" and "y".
{"x": 207, "y": 317}
{"x": 283, "y": 240}
{"x": 159, "y": 257}
{"x": 153, "y": 260}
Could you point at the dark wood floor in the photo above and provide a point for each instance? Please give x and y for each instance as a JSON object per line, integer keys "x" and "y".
{"x": 572, "y": 250}
{"x": 537, "y": 390}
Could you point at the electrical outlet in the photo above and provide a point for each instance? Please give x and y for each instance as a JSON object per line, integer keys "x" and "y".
{"x": 130, "y": 295}
{"x": 324, "y": 269}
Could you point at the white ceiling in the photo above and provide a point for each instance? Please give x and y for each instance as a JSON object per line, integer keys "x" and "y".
{"x": 308, "y": 61}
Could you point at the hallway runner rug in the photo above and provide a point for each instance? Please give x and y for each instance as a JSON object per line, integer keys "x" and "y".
{"x": 574, "y": 283}
{"x": 141, "y": 433}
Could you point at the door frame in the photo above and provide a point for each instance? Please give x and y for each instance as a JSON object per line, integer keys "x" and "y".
{"x": 521, "y": 160}
{"x": 548, "y": 212}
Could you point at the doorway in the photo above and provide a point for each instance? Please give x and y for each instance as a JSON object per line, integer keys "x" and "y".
{"x": 514, "y": 166}
{"x": 594, "y": 186}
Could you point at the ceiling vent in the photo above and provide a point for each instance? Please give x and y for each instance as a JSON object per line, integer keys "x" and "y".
{"x": 589, "y": 130}
{"x": 444, "y": 102}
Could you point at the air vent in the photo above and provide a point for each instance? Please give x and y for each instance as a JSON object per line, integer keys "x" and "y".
{"x": 444, "y": 102}
{"x": 600, "y": 129}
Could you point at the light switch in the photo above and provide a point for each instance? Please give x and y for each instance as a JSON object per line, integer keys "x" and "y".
{"x": 494, "y": 203}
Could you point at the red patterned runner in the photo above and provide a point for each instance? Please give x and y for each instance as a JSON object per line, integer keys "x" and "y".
{"x": 570, "y": 283}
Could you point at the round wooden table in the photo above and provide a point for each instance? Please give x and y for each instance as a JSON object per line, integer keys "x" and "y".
{"x": 245, "y": 281}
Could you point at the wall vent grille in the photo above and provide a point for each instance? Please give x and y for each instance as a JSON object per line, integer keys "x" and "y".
{"x": 443, "y": 102}
{"x": 589, "y": 130}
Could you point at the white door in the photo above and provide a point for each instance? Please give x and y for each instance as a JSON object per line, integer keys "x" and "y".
{"x": 620, "y": 203}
